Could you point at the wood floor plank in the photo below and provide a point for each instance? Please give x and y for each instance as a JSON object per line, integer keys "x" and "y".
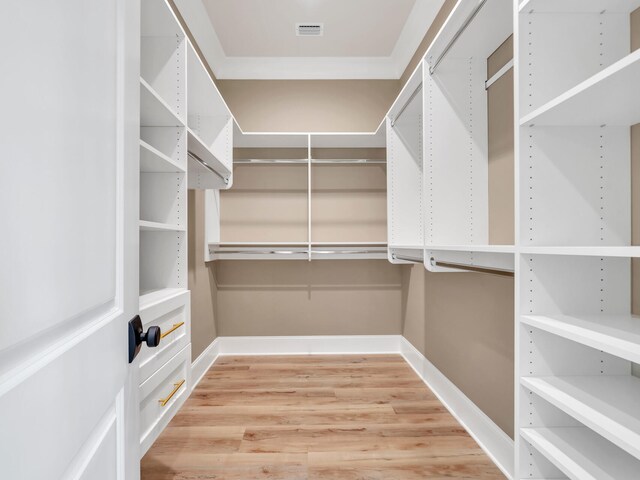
{"x": 334, "y": 417}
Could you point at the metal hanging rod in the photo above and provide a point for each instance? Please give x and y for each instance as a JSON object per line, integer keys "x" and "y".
{"x": 304, "y": 161}
{"x": 349, "y": 161}
{"x": 473, "y": 268}
{"x": 347, "y": 252}
{"x": 296, "y": 252}
{"x": 255, "y": 161}
{"x": 407, "y": 258}
{"x": 260, "y": 252}
{"x": 455, "y": 38}
{"x": 406, "y": 104}
{"x": 208, "y": 167}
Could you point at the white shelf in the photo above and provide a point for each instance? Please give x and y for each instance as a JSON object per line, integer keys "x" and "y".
{"x": 608, "y": 98}
{"x": 606, "y": 404}
{"x": 160, "y": 227}
{"x": 473, "y": 248}
{"x": 154, "y": 161}
{"x": 617, "y": 335}
{"x": 623, "y": 251}
{"x": 153, "y": 297}
{"x": 582, "y": 454}
{"x": 154, "y": 111}
{"x": 579, "y": 6}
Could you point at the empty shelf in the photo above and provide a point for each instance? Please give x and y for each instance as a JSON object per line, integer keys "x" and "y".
{"x": 579, "y": 6}
{"x": 582, "y": 454}
{"x": 160, "y": 227}
{"x": 617, "y": 335}
{"x": 609, "y": 97}
{"x": 604, "y": 251}
{"x": 153, "y": 297}
{"x": 473, "y": 248}
{"x": 154, "y": 111}
{"x": 152, "y": 160}
{"x": 606, "y": 404}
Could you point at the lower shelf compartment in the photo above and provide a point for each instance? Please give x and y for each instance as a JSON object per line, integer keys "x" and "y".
{"x": 606, "y": 404}
{"x": 582, "y": 454}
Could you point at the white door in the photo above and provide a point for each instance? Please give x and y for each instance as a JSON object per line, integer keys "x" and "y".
{"x": 68, "y": 238}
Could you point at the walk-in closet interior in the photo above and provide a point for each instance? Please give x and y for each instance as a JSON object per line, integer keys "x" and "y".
{"x": 375, "y": 239}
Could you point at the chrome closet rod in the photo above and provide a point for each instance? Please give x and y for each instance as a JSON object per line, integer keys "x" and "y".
{"x": 473, "y": 268}
{"x": 455, "y": 38}
{"x": 301, "y": 161}
{"x": 406, "y": 104}
{"x": 291, "y": 252}
{"x": 407, "y": 259}
{"x": 207, "y": 166}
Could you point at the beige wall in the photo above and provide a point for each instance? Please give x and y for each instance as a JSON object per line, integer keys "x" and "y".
{"x": 348, "y": 203}
{"x": 267, "y": 203}
{"x": 200, "y": 280}
{"x": 501, "y": 148}
{"x": 309, "y": 105}
{"x": 324, "y": 297}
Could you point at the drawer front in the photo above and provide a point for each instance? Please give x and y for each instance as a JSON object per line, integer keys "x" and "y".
{"x": 173, "y": 316}
{"x": 162, "y": 395}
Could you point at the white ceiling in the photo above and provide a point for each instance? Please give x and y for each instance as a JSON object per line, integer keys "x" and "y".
{"x": 256, "y": 39}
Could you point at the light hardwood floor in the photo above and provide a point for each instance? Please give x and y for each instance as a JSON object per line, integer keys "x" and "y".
{"x": 338, "y": 417}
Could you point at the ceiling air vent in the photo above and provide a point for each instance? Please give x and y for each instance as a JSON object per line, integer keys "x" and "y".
{"x": 309, "y": 29}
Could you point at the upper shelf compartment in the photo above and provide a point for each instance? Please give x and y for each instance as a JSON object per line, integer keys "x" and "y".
{"x": 474, "y": 29}
{"x": 162, "y": 67}
{"x": 564, "y": 47}
{"x": 468, "y": 192}
{"x": 210, "y": 129}
{"x": 404, "y": 167}
{"x": 614, "y": 90}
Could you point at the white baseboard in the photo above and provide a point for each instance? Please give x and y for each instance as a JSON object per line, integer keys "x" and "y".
{"x": 496, "y": 444}
{"x": 203, "y": 363}
{"x": 309, "y": 345}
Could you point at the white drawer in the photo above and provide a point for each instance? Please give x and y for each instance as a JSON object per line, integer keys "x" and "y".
{"x": 162, "y": 395}
{"x": 173, "y": 316}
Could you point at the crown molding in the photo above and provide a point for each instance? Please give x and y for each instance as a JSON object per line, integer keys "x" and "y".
{"x": 308, "y": 68}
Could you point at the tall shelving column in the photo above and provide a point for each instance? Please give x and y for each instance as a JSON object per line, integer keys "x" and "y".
{"x": 163, "y": 146}
{"x": 576, "y": 339}
{"x": 405, "y": 137}
{"x": 458, "y": 178}
{"x": 164, "y": 297}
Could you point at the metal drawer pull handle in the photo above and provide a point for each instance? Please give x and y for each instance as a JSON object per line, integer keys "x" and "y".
{"x": 172, "y": 329}
{"x": 176, "y": 387}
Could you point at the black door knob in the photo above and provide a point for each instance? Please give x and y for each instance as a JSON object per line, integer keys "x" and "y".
{"x": 137, "y": 335}
{"x": 152, "y": 337}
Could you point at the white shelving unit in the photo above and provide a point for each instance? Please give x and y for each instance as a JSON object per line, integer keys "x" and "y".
{"x": 576, "y": 338}
{"x": 163, "y": 151}
{"x": 456, "y": 155}
{"x": 186, "y": 138}
{"x": 579, "y": 453}
{"x": 405, "y": 203}
{"x": 361, "y": 160}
